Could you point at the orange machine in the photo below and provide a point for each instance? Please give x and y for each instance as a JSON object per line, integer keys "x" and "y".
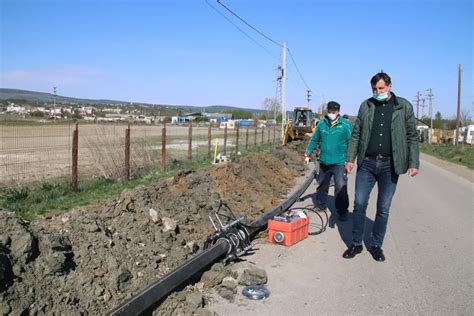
{"x": 287, "y": 232}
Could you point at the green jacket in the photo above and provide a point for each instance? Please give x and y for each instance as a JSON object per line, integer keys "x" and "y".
{"x": 405, "y": 153}
{"x": 331, "y": 140}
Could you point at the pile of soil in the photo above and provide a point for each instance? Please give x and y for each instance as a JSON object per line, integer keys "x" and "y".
{"x": 89, "y": 260}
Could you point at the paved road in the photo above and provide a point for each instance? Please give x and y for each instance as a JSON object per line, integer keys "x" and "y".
{"x": 429, "y": 266}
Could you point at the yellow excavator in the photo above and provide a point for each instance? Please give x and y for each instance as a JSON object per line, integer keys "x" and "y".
{"x": 301, "y": 123}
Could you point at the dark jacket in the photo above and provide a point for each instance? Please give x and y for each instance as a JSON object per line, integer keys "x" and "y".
{"x": 405, "y": 153}
{"x": 331, "y": 140}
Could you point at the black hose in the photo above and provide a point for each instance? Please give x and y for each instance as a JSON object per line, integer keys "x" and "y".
{"x": 156, "y": 292}
{"x": 159, "y": 290}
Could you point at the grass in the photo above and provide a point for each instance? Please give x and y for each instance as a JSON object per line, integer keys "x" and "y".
{"x": 462, "y": 154}
{"x": 39, "y": 199}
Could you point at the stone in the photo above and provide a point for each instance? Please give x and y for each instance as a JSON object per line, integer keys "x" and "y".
{"x": 253, "y": 275}
{"x": 154, "y": 216}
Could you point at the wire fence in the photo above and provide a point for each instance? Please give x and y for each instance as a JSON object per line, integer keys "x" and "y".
{"x": 32, "y": 153}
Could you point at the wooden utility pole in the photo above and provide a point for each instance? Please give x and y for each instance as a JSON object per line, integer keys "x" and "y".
{"x": 459, "y": 106}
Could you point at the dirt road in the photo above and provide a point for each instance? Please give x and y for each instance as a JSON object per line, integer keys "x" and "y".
{"x": 428, "y": 245}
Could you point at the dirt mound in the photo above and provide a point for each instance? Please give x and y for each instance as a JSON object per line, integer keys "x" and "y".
{"x": 89, "y": 260}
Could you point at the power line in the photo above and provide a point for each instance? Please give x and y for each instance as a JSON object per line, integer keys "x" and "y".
{"x": 268, "y": 38}
{"x": 242, "y": 31}
{"x": 297, "y": 69}
{"x": 245, "y": 22}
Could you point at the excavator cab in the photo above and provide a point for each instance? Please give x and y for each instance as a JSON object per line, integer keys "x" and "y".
{"x": 302, "y": 123}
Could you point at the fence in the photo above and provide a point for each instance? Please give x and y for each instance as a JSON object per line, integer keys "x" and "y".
{"x": 82, "y": 151}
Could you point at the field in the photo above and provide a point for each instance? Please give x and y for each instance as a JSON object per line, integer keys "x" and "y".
{"x": 31, "y": 153}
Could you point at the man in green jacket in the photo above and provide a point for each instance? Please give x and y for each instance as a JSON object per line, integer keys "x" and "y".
{"x": 332, "y": 137}
{"x": 385, "y": 143}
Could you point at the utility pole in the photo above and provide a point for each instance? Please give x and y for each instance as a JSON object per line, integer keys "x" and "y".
{"x": 278, "y": 91}
{"x": 308, "y": 95}
{"x": 430, "y": 96}
{"x": 423, "y": 107}
{"x": 283, "y": 92}
{"x": 54, "y": 102}
{"x": 417, "y": 100}
{"x": 459, "y": 105}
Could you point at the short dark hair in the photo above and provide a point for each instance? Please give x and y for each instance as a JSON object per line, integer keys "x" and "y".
{"x": 332, "y": 105}
{"x": 381, "y": 75}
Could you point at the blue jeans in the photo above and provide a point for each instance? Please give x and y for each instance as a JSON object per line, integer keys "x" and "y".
{"x": 340, "y": 186}
{"x": 368, "y": 173}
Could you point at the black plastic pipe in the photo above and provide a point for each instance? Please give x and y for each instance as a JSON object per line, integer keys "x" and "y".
{"x": 156, "y": 292}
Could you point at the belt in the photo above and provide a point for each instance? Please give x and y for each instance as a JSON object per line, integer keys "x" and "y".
{"x": 378, "y": 157}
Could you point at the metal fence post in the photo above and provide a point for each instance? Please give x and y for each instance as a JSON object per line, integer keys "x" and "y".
{"x": 263, "y": 131}
{"x": 127, "y": 152}
{"x": 190, "y": 142}
{"x": 255, "y": 138}
{"x": 225, "y": 140}
{"x": 209, "y": 142}
{"x": 247, "y": 138}
{"x": 75, "y": 152}
{"x": 237, "y": 138}
{"x": 163, "y": 148}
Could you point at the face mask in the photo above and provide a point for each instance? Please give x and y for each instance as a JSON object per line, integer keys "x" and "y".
{"x": 381, "y": 96}
{"x": 332, "y": 116}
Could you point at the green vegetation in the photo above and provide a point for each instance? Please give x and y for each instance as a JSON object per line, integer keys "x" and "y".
{"x": 463, "y": 154}
{"x": 39, "y": 199}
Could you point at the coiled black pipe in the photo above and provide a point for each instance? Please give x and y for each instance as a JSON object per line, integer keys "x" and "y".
{"x": 158, "y": 291}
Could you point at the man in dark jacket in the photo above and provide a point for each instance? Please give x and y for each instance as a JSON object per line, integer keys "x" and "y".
{"x": 331, "y": 137}
{"x": 385, "y": 143}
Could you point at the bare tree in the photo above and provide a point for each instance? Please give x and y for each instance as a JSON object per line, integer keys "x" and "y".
{"x": 272, "y": 106}
{"x": 465, "y": 118}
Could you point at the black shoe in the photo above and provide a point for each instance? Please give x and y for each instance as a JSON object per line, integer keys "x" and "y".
{"x": 377, "y": 254}
{"x": 342, "y": 215}
{"x": 352, "y": 251}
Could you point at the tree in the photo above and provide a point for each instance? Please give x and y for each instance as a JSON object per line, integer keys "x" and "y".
{"x": 438, "y": 121}
{"x": 241, "y": 114}
{"x": 272, "y": 106}
{"x": 465, "y": 117}
{"x": 37, "y": 114}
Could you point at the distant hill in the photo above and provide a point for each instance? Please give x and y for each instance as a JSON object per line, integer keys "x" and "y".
{"x": 25, "y": 96}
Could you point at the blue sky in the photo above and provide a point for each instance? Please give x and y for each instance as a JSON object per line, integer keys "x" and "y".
{"x": 184, "y": 52}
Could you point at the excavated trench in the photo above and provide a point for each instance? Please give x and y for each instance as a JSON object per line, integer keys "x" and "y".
{"x": 89, "y": 260}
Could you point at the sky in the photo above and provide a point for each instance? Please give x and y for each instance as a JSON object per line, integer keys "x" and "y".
{"x": 195, "y": 52}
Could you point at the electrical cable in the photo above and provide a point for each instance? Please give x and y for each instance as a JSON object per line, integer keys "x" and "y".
{"x": 242, "y": 31}
{"x": 297, "y": 69}
{"x": 253, "y": 28}
{"x": 324, "y": 221}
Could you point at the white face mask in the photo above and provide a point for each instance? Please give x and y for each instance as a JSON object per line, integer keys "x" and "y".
{"x": 332, "y": 116}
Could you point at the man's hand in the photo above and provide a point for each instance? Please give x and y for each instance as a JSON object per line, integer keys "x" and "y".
{"x": 349, "y": 166}
{"x": 412, "y": 172}
{"x": 307, "y": 159}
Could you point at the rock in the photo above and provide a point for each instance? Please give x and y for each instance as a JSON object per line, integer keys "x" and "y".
{"x": 204, "y": 312}
{"x": 212, "y": 278}
{"x": 122, "y": 279}
{"x": 5, "y": 309}
{"x": 195, "y": 300}
{"x": 253, "y": 275}
{"x": 154, "y": 216}
{"x": 169, "y": 224}
{"x": 228, "y": 288}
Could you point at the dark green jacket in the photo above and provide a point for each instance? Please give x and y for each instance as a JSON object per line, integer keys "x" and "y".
{"x": 405, "y": 153}
{"x": 332, "y": 141}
